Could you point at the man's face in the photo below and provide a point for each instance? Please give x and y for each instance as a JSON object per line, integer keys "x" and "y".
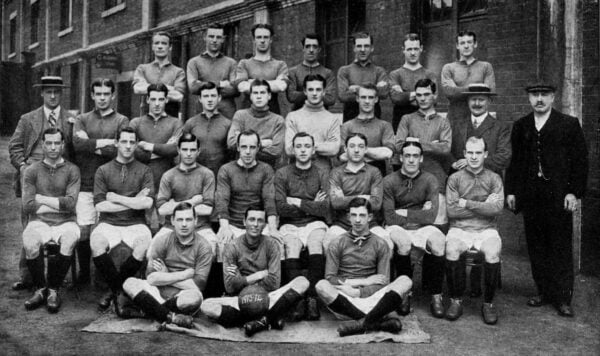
{"x": 478, "y": 104}
{"x": 475, "y": 154}
{"x": 156, "y": 102}
{"x": 314, "y": 92}
{"x": 360, "y": 219}
{"x": 51, "y": 97}
{"x": 303, "y": 149}
{"x": 466, "y": 46}
{"x": 260, "y": 96}
{"x": 53, "y": 146}
{"x": 160, "y": 46}
{"x": 425, "y": 98}
{"x": 262, "y": 40}
{"x": 248, "y": 148}
{"x": 214, "y": 39}
{"x": 412, "y": 51}
{"x": 188, "y": 152}
{"x": 255, "y": 222}
{"x": 356, "y": 149}
{"x": 311, "y": 50}
{"x": 210, "y": 98}
{"x": 411, "y": 159}
{"x": 363, "y": 49}
{"x": 184, "y": 223}
{"x": 541, "y": 102}
{"x": 103, "y": 97}
{"x": 126, "y": 145}
{"x": 367, "y": 98}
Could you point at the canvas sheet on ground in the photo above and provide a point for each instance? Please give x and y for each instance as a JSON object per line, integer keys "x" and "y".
{"x": 304, "y": 332}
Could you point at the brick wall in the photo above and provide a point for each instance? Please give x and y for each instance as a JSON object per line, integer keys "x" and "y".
{"x": 9, "y": 8}
{"x": 119, "y": 23}
{"x": 70, "y": 41}
{"x": 169, "y": 9}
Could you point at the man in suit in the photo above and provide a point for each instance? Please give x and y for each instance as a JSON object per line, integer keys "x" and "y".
{"x": 546, "y": 176}
{"x": 25, "y": 145}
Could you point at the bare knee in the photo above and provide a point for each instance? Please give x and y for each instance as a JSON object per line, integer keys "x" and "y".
{"x": 189, "y": 300}
{"x": 300, "y": 284}
{"x": 326, "y": 291}
{"x": 454, "y": 248}
{"x": 315, "y": 242}
{"x": 67, "y": 244}
{"x": 140, "y": 246}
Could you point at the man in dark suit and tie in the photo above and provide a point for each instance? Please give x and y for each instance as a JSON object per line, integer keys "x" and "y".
{"x": 546, "y": 176}
{"x": 25, "y": 145}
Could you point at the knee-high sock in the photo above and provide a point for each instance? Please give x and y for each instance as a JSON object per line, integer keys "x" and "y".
{"x": 129, "y": 268}
{"x": 171, "y": 304}
{"x": 288, "y": 300}
{"x": 107, "y": 268}
{"x": 490, "y": 277}
{"x": 342, "y": 305}
{"x": 214, "y": 285}
{"x": 456, "y": 276}
{"x": 316, "y": 272}
{"x": 151, "y": 306}
{"x": 36, "y": 269}
{"x": 403, "y": 266}
{"x": 387, "y": 304}
{"x": 58, "y": 270}
{"x": 230, "y": 317}
{"x": 435, "y": 273}
{"x": 291, "y": 268}
{"x": 84, "y": 252}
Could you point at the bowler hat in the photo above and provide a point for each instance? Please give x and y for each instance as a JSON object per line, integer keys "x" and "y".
{"x": 51, "y": 81}
{"x": 542, "y": 87}
{"x": 479, "y": 89}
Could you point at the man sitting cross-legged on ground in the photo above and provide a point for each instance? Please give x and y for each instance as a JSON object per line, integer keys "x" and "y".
{"x": 410, "y": 205}
{"x": 254, "y": 258}
{"x": 357, "y": 277}
{"x": 50, "y": 189}
{"x": 123, "y": 189}
{"x": 475, "y": 199}
{"x": 178, "y": 267}
{"x": 303, "y": 206}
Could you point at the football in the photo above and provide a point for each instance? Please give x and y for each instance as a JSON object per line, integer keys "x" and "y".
{"x": 253, "y": 301}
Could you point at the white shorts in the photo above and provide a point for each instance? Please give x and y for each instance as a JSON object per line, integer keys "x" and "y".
{"x": 473, "y": 239}
{"x": 336, "y": 230}
{"x": 302, "y": 232}
{"x": 117, "y": 234}
{"x": 40, "y": 230}
{"x": 85, "y": 209}
{"x": 418, "y": 237}
{"x": 365, "y": 305}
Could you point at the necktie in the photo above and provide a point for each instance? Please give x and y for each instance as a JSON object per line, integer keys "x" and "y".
{"x": 475, "y": 123}
{"x": 52, "y": 119}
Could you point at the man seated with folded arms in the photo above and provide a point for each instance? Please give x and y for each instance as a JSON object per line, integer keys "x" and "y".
{"x": 303, "y": 206}
{"x": 410, "y": 205}
{"x": 357, "y": 276}
{"x": 254, "y": 258}
{"x": 178, "y": 267}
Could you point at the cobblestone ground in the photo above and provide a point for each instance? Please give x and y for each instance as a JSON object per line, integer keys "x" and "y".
{"x": 521, "y": 330}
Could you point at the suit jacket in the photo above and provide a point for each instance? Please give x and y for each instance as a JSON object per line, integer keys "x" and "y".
{"x": 564, "y": 159}
{"x": 27, "y": 133}
{"x": 496, "y": 135}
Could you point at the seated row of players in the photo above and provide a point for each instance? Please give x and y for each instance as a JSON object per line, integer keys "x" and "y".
{"x": 123, "y": 189}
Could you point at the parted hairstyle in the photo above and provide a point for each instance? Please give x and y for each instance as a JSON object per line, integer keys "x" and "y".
{"x": 182, "y": 207}
{"x": 312, "y": 36}
{"x": 362, "y": 34}
{"x": 467, "y": 33}
{"x": 254, "y": 207}
{"x": 358, "y": 202}
{"x": 313, "y": 78}
{"x": 128, "y": 130}
{"x": 53, "y": 131}
{"x": 262, "y": 25}
{"x": 356, "y": 134}
{"x": 411, "y": 143}
{"x": 260, "y": 82}
{"x": 188, "y": 137}
{"x": 424, "y": 83}
{"x": 209, "y": 86}
{"x": 160, "y": 87}
{"x": 249, "y": 132}
{"x": 303, "y": 134}
{"x": 103, "y": 82}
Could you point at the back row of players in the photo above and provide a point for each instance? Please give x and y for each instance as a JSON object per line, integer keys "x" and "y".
{"x": 371, "y": 218}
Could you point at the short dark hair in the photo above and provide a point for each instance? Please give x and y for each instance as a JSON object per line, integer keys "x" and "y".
{"x": 355, "y": 134}
{"x": 128, "y": 130}
{"x": 467, "y": 33}
{"x": 216, "y": 26}
{"x": 411, "y": 37}
{"x": 209, "y": 86}
{"x": 411, "y": 143}
{"x": 424, "y": 83}
{"x": 303, "y": 134}
{"x": 249, "y": 132}
{"x": 254, "y": 207}
{"x": 160, "y": 87}
{"x": 53, "y": 131}
{"x": 162, "y": 33}
{"x": 188, "y": 137}
{"x": 313, "y": 78}
{"x": 262, "y": 25}
{"x": 369, "y": 86}
{"x": 358, "y": 202}
{"x": 312, "y": 36}
{"x": 476, "y": 139}
{"x": 362, "y": 34}
{"x": 184, "y": 206}
{"x": 103, "y": 82}
{"x": 260, "y": 82}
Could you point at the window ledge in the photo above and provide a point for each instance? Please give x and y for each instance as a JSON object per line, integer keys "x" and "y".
{"x": 34, "y": 45}
{"x": 12, "y": 55}
{"x": 65, "y": 31}
{"x": 114, "y": 10}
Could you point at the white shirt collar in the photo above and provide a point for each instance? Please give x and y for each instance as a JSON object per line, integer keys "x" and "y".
{"x": 541, "y": 121}
{"x": 56, "y": 112}
{"x": 478, "y": 119}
